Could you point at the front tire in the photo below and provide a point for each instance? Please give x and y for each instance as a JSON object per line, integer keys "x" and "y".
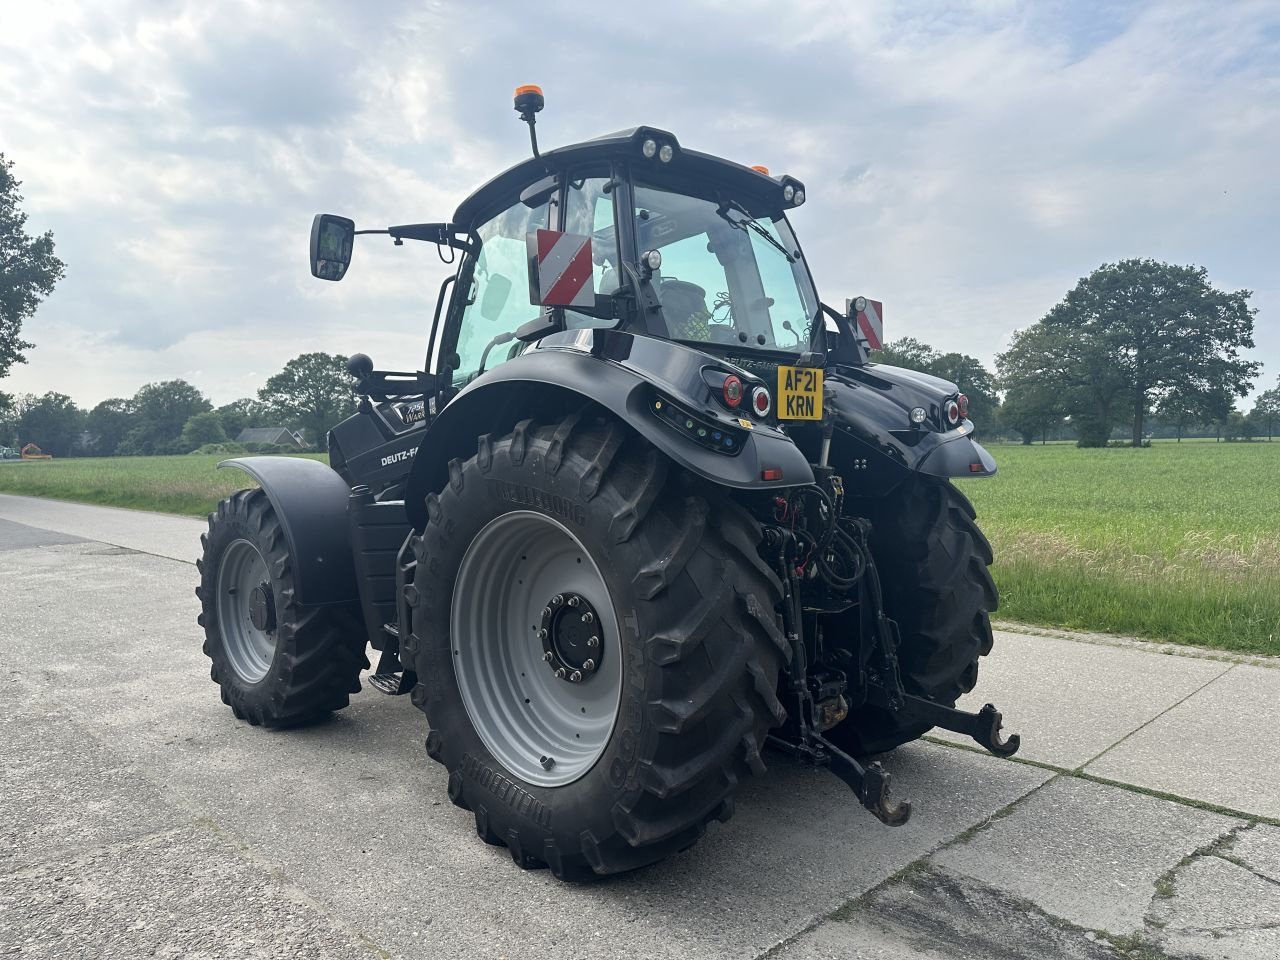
{"x": 648, "y": 746}
{"x": 277, "y": 663}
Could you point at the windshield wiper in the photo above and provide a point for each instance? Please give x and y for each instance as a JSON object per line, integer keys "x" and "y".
{"x": 723, "y": 212}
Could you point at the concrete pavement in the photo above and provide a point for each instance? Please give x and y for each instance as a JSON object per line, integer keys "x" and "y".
{"x": 137, "y": 817}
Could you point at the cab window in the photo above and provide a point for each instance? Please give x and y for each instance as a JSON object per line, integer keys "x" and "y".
{"x": 727, "y": 275}
{"x": 497, "y": 297}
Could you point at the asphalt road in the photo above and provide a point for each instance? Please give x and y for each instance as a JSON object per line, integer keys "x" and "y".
{"x": 139, "y": 818}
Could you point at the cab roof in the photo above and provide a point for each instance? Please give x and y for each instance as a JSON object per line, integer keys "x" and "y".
{"x": 504, "y": 189}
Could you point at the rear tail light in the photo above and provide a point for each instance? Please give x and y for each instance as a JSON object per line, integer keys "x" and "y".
{"x": 732, "y": 391}
{"x": 761, "y": 402}
{"x": 963, "y": 402}
{"x": 952, "y": 411}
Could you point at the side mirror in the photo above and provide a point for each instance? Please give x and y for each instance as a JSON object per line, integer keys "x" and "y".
{"x": 331, "y": 240}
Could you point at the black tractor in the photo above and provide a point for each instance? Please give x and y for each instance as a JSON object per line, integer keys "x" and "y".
{"x": 625, "y": 535}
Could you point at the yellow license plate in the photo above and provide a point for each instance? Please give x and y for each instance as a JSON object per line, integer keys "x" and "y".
{"x": 799, "y": 393}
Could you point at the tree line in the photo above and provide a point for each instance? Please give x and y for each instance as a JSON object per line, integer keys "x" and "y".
{"x": 1137, "y": 347}
{"x": 311, "y": 394}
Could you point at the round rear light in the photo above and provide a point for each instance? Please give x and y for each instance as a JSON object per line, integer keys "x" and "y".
{"x": 732, "y": 391}
{"x": 761, "y": 402}
{"x": 963, "y": 403}
{"x": 953, "y": 412}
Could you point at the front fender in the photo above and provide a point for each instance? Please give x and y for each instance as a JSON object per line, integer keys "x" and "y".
{"x": 622, "y": 374}
{"x": 310, "y": 501}
{"x": 876, "y": 444}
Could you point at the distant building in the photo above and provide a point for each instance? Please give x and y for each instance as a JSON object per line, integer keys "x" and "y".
{"x": 281, "y": 436}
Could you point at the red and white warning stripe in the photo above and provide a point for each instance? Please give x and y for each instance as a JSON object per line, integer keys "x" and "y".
{"x": 871, "y": 325}
{"x": 564, "y": 270}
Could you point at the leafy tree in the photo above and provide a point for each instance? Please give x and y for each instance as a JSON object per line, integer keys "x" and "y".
{"x": 1236, "y": 426}
{"x": 201, "y": 429}
{"x": 238, "y": 414}
{"x": 1067, "y": 373}
{"x": 1266, "y": 409}
{"x": 161, "y": 410}
{"x": 53, "y": 422}
{"x": 8, "y": 421}
{"x": 1030, "y": 412}
{"x": 108, "y": 424}
{"x": 1183, "y": 407}
{"x": 312, "y": 392}
{"x": 1134, "y": 332}
{"x": 964, "y": 371}
{"x": 28, "y": 269}
{"x": 906, "y": 352}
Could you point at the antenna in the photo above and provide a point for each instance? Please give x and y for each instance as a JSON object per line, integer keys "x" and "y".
{"x": 528, "y": 101}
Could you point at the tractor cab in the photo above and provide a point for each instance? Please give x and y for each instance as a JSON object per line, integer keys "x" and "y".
{"x": 629, "y": 231}
{"x": 632, "y": 232}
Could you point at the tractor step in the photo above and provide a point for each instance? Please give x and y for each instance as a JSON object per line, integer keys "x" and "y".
{"x": 391, "y": 677}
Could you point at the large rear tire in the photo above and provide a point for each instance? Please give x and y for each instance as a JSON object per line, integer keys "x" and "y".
{"x": 933, "y": 563}
{"x": 627, "y": 764}
{"x": 278, "y": 664}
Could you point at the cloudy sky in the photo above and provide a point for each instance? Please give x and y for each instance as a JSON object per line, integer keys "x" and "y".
{"x": 966, "y": 162}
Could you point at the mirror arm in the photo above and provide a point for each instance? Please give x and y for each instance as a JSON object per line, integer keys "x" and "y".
{"x": 441, "y": 234}
{"x": 846, "y": 336}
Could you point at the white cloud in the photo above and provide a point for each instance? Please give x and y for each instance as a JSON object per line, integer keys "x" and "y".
{"x": 966, "y": 162}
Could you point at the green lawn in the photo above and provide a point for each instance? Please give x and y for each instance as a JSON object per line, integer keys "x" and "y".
{"x": 190, "y": 485}
{"x": 1179, "y": 541}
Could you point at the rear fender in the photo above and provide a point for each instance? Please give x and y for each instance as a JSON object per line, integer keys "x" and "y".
{"x": 621, "y": 374}
{"x": 310, "y": 501}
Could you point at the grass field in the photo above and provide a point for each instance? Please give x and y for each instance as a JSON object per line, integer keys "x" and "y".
{"x": 1179, "y": 541}
{"x": 190, "y": 485}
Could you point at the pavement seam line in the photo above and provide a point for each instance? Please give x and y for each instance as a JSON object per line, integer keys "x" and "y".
{"x": 1246, "y": 868}
{"x": 1165, "y": 885}
{"x": 996, "y": 815}
{"x": 73, "y": 855}
{"x": 1172, "y": 706}
{"x": 920, "y": 862}
{"x": 1119, "y": 784}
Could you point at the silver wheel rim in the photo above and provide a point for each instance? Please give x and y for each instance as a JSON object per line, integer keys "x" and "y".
{"x": 524, "y": 713}
{"x": 249, "y": 650}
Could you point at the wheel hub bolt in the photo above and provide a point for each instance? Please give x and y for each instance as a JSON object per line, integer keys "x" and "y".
{"x": 588, "y": 617}
{"x": 559, "y": 673}
{"x": 576, "y": 676}
{"x": 573, "y": 601}
{"x": 546, "y": 612}
{"x": 589, "y": 666}
{"x": 542, "y": 634}
{"x": 593, "y": 641}
{"x": 557, "y": 600}
{"x": 547, "y": 762}
{"x": 547, "y": 656}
